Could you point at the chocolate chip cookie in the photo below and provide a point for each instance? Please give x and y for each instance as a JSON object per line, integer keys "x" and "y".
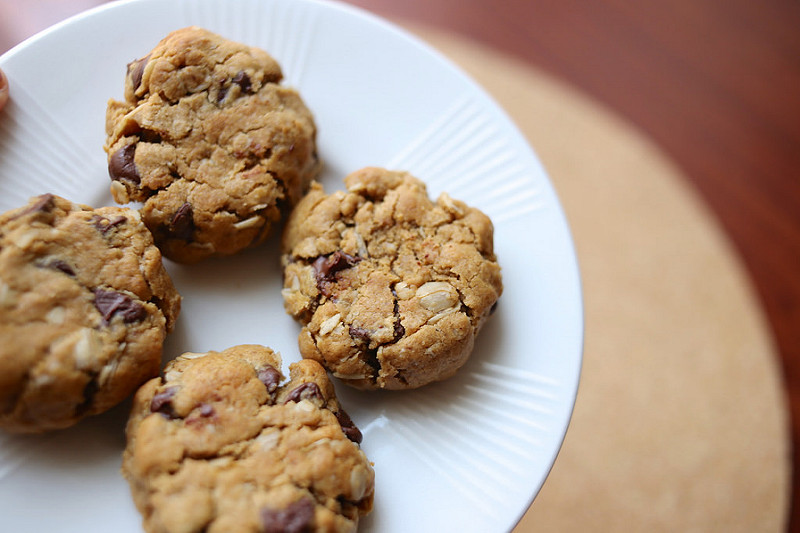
{"x": 219, "y": 444}
{"x": 85, "y": 304}
{"x": 210, "y": 142}
{"x": 390, "y": 287}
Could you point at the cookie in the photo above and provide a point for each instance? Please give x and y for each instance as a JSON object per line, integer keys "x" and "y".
{"x": 85, "y": 304}
{"x": 218, "y": 445}
{"x": 211, "y": 144}
{"x": 390, "y": 287}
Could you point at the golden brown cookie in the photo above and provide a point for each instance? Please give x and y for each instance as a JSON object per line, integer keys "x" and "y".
{"x": 85, "y": 304}
{"x": 391, "y": 288}
{"x": 210, "y": 142}
{"x": 219, "y": 445}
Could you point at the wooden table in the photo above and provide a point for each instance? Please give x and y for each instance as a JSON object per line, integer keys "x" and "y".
{"x": 715, "y": 83}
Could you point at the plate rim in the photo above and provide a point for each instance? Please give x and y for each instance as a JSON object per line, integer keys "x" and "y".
{"x": 486, "y": 99}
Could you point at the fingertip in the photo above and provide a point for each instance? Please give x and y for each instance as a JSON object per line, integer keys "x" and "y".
{"x": 3, "y": 89}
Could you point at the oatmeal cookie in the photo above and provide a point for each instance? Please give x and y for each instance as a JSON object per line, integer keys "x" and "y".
{"x": 85, "y": 304}
{"x": 390, "y": 287}
{"x": 218, "y": 445}
{"x": 210, "y": 142}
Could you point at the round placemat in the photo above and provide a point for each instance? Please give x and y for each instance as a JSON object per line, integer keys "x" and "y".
{"x": 680, "y": 422}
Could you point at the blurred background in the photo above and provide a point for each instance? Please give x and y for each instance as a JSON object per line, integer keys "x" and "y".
{"x": 708, "y": 93}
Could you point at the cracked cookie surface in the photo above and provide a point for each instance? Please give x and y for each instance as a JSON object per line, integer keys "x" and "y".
{"x": 219, "y": 444}
{"x": 210, "y": 142}
{"x": 85, "y": 304}
{"x": 391, "y": 288}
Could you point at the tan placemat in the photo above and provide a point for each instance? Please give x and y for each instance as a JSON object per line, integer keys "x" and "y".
{"x": 680, "y": 423}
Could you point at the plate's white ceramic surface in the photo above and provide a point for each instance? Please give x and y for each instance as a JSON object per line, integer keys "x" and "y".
{"x": 468, "y": 454}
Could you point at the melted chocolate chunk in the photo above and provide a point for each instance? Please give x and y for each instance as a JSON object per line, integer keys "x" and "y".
{"x": 360, "y": 334}
{"x": 399, "y": 330}
{"x": 348, "y": 427}
{"x": 121, "y": 165}
{"x": 296, "y": 518}
{"x": 104, "y": 225}
{"x": 44, "y": 203}
{"x": 243, "y": 80}
{"x": 136, "y": 70}
{"x": 182, "y": 223}
{"x": 223, "y": 92}
{"x": 150, "y": 136}
{"x": 306, "y": 391}
{"x": 58, "y": 264}
{"x": 270, "y": 377}
{"x": 111, "y": 303}
{"x": 325, "y": 268}
{"x": 162, "y": 402}
{"x": 371, "y": 358}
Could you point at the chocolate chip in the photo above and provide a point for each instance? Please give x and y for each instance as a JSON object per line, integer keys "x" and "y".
{"x": 399, "y": 330}
{"x": 325, "y": 268}
{"x": 104, "y": 225}
{"x": 136, "y": 71}
{"x": 297, "y": 517}
{"x": 121, "y": 165}
{"x": 161, "y": 402}
{"x": 206, "y": 410}
{"x": 161, "y": 399}
{"x": 182, "y": 223}
{"x": 110, "y": 303}
{"x": 270, "y": 377}
{"x": 242, "y": 80}
{"x": 349, "y": 428}
{"x": 149, "y": 136}
{"x": 371, "y": 359}
{"x": 58, "y": 264}
{"x": 44, "y": 202}
{"x": 306, "y": 391}
{"x": 360, "y": 333}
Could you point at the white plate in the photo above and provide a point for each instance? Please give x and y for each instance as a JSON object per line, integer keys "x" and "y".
{"x": 468, "y": 454}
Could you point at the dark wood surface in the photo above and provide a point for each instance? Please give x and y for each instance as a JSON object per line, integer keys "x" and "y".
{"x": 715, "y": 83}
